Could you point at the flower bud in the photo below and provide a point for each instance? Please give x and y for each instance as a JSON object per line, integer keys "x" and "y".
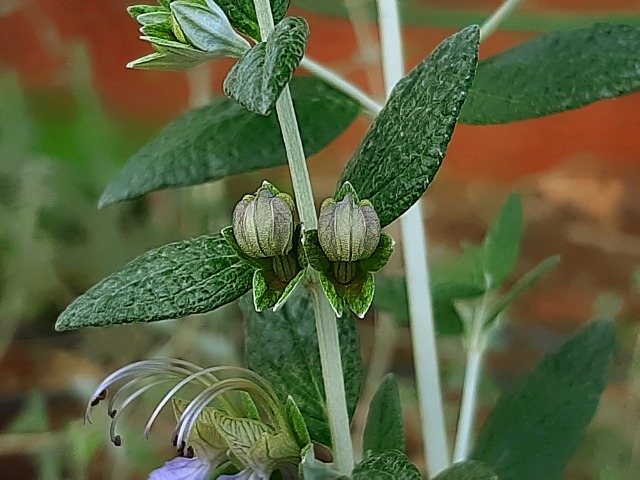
{"x": 348, "y": 231}
{"x": 263, "y": 224}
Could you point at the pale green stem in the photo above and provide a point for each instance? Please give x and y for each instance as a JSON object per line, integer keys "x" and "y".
{"x": 417, "y": 275}
{"x": 326, "y": 325}
{"x": 476, "y": 344}
{"x": 370, "y": 106}
{"x": 491, "y": 24}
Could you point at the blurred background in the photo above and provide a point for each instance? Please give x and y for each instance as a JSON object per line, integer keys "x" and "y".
{"x": 71, "y": 115}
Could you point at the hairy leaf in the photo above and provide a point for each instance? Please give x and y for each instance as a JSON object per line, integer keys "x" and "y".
{"x": 258, "y": 78}
{"x": 471, "y": 470}
{"x": 388, "y": 465}
{"x": 223, "y": 138}
{"x": 178, "y": 279}
{"x": 384, "y": 429}
{"x": 282, "y": 346}
{"x": 555, "y": 72}
{"x": 242, "y": 14}
{"x": 535, "y": 429}
{"x": 404, "y": 147}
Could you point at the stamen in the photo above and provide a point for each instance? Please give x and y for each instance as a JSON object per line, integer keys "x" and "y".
{"x": 190, "y": 452}
{"x": 118, "y": 413}
{"x": 117, "y": 440}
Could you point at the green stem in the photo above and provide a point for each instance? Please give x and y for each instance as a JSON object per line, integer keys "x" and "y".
{"x": 326, "y": 325}
{"x": 492, "y": 23}
{"x": 414, "y": 247}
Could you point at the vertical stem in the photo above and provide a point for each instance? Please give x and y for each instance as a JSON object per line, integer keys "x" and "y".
{"x": 468, "y": 407}
{"x": 417, "y": 274}
{"x": 326, "y": 325}
{"x": 491, "y": 24}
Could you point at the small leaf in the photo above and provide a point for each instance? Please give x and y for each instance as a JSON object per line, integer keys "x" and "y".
{"x": 223, "y": 138}
{"x": 384, "y": 429}
{"x": 242, "y": 14}
{"x": 535, "y": 429}
{"x": 178, "y": 279}
{"x": 555, "y": 72}
{"x": 331, "y": 292}
{"x": 404, "y": 147}
{"x": 154, "y": 17}
{"x": 283, "y": 347}
{"x": 381, "y": 256}
{"x": 264, "y": 295}
{"x": 501, "y": 246}
{"x": 388, "y": 465}
{"x": 208, "y": 29}
{"x": 471, "y": 470}
{"x": 359, "y": 300}
{"x": 258, "y": 78}
{"x": 136, "y": 10}
{"x": 523, "y": 284}
{"x": 296, "y": 420}
{"x": 164, "y": 61}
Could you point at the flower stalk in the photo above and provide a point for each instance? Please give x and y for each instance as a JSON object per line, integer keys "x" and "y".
{"x": 326, "y": 326}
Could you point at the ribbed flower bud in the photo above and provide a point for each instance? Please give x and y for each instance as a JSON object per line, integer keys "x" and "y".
{"x": 348, "y": 231}
{"x": 263, "y": 224}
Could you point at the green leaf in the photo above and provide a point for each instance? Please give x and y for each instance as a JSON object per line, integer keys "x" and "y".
{"x": 523, "y": 284}
{"x": 223, "y": 138}
{"x": 555, "y": 72}
{"x": 282, "y": 346}
{"x": 388, "y": 465}
{"x": 258, "y": 78}
{"x": 296, "y": 421}
{"x": 471, "y": 470}
{"x": 384, "y": 429}
{"x": 404, "y": 147}
{"x": 461, "y": 277}
{"x": 242, "y": 14}
{"x": 164, "y": 61}
{"x": 178, "y": 279}
{"x": 501, "y": 246}
{"x": 208, "y": 29}
{"x": 535, "y": 429}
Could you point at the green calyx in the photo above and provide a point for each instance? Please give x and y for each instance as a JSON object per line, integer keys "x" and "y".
{"x": 346, "y": 249}
{"x": 265, "y": 237}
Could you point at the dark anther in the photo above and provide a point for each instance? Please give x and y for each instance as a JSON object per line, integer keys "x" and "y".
{"x": 181, "y": 449}
{"x": 117, "y": 440}
{"x": 101, "y": 396}
{"x": 190, "y": 452}
{"x": 174, "y": 440}
{"x": 112, "y": 413}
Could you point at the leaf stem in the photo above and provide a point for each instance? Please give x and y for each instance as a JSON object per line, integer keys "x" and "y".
{"x": 417, "y": 274}
{"x": 326, "y": 324}
{"x": 371, "y": 107}
{"x": 468, "y": 406}
{"x": 493, "y": 22}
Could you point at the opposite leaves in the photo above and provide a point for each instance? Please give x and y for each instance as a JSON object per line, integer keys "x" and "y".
{"x": 534, "y": 430}
{"x": 223, "y": 138}
{"x": 178, "y": 279}
{"x": 555, "y": 72}
{"x": 404, "y": 147}
{"x": 261, "y": 74}
{"x": 282, "y": 346}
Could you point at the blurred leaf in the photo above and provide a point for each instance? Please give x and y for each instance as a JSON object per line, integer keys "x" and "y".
{"x": 523, "y": 284}
{"x": 282, "y": 346}
{"x": 501, "y": 246}
{"x": 555, "y": 72}
{"x": 471, "y": 470}
{"x": 33, "y": 418}
{"x": 461, "y": 277}
{"x": 258, "y": 78}
{"x": 391, "y": 297}
{"x": 404, "y": 147}
{"x": 384, "y": 429}
{"x": 388, "y": 465}
{"x": 175, "y": 280}
{"x": 535, "y": 429}
{"x": 223, "y": 138}
{"x": 242, "y": 14}
{"x": 451, "y": 16}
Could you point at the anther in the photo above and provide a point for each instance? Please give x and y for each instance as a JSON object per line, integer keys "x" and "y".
{"x": 117, "y": 440}
{"x": 190, "y": 452}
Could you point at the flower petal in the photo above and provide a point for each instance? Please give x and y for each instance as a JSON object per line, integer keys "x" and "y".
{"x": 182, "y": 468}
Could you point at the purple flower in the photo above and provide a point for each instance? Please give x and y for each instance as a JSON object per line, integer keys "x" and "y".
{"x": 182, "y": 468}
